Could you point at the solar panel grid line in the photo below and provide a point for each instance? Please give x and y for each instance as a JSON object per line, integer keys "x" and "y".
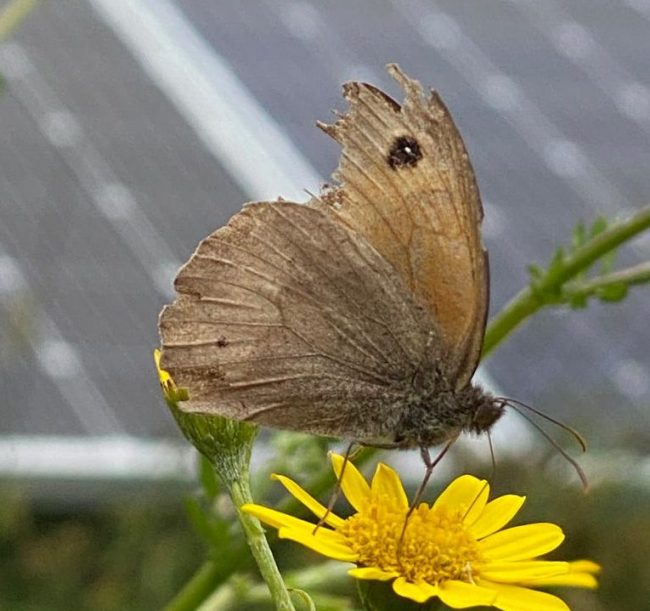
{"x": 233, "y": 126}
{"x": 305, "y": 22}
{"x": 61, "y": 362}
{"x": 580, "y": 46}
{"x": 565, "y": 158}
{"x": 95, "y": 175}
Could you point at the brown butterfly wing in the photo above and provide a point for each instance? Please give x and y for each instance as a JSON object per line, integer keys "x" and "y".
{"x": 407, "y": 185}
{"x": 287, "y": 318}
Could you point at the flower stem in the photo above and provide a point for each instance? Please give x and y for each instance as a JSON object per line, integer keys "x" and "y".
{"x": 197, "y": 589}
{"x": 241, "y": 494}
{"x": 530, "y": 299}
{"x": 636, "y": 274}
{"x": 227, "y": 444}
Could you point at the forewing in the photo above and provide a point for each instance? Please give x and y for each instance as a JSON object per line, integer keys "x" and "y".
{"x": 288, "y": 318}
{"x": 407, "y": 185}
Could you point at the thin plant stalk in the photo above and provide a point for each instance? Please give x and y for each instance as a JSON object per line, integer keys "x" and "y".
{"x": 529, "y": 300}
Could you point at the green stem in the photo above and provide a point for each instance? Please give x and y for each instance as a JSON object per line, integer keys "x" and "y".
{"x": 241, "y": 494}
{"x": 206, "y": 579}
{"x": 636, "y": 274}
{"x": 227, "y": 444}
{"x": 196, "y": 589}
{"x": 529, "y": 300}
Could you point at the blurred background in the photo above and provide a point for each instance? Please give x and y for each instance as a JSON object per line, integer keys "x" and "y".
{"x": 129, "y": 129}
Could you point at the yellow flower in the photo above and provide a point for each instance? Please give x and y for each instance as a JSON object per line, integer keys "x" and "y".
{"x": 172, "y": 393}
{"x": 456, "y": 549}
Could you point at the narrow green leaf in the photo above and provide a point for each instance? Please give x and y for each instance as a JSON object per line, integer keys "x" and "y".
{"x": 557, "y": 261}
{"x": 578, "y": 301}
{"x": 304, "y": 597}
{"x": 579, "y": 235}
{"x": 599, "y": 225}
{"x": 613, "y": 293}
{"x": 205, "y": 525}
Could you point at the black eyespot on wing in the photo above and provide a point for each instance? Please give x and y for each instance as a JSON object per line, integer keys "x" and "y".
{"x": 405, "y": 151}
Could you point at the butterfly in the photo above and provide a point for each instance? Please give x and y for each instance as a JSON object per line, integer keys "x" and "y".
{"x": 359, "y": 314}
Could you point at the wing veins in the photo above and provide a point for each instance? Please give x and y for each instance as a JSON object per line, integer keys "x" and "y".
{"x": 344, "y": 294}
{"x": 307, "y": 297}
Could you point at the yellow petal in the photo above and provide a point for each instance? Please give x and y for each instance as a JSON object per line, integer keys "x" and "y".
{"x": 522, "y": 542}
{"x": 156, "y": 358}
{"x": 353, "y": 484}
{"x": 581, "y": 575}
{"x": 459, "y": 594}
{"x": 496, "y": 515}
{"x": 586, "y": 566}
{"x": 466, "y": 494}
{"x": 419, "y": 592}
{"x": 514, "y": 598}
{"x": 309, "y": 501}
{"x": 520, "y": 572}
{"x": 324, "y": 534}
{"x": 576, "y": 580}
{"x": 275, "y": 518}
{"x": 286, "y": 522}
{"x": 372, "y": 572}
{"x": 387, "y": 483}
{"x": 319, "y": 543}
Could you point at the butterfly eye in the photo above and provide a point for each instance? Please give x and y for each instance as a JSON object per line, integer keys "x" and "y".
{"x": 486, "y": 414}
{"x": 405, "y": 151}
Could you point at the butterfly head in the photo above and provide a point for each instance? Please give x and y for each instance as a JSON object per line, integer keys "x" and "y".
{"x": 486, "y": 411}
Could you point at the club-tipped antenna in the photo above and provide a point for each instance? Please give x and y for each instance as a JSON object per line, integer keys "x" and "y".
{"x": 572, "y": 461}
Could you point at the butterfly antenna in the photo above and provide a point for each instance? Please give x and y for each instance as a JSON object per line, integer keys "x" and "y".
{"x": 476, "y": 498}
{"x": 569, "y": 429}
{"x": 337, "y": 490}
{"x": 555, "y": 444}
{"x": 493, "y": 459}
{"x": 490, "y": 479}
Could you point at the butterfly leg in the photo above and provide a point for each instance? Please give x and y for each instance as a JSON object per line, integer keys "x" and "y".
{"x": 337, "y": 488}
{"x": 429, "y": 467}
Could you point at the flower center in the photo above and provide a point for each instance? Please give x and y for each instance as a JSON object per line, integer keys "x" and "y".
{"x": 435, "y": 546}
